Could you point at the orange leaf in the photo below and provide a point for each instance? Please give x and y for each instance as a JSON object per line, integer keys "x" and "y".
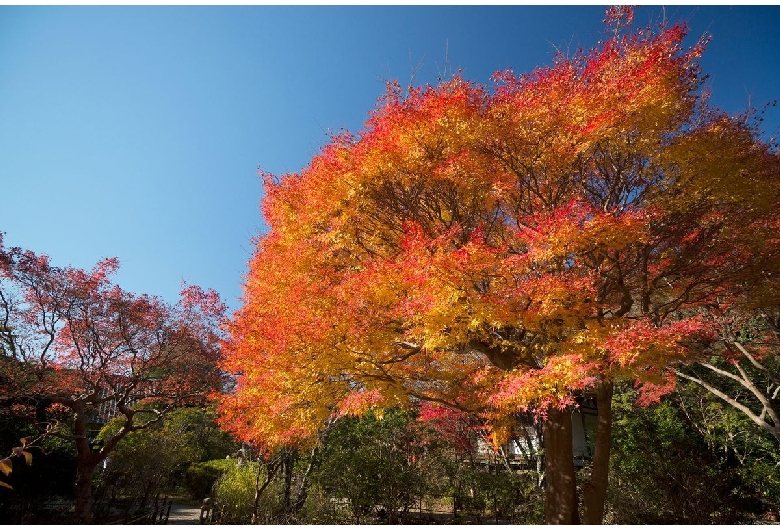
{"x": 6, "y": 466}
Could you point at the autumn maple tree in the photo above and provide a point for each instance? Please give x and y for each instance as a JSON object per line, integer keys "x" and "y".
{"x": 76, "y": 350}
{"x": 507, "y": 248}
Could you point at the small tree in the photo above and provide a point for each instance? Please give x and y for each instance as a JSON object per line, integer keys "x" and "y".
{"x": 375, "y": 462}
{"x": 74, "y": 344}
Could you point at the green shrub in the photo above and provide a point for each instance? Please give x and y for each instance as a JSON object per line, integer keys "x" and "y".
{"x": 234, "y": 492}
{"x": 199, "y": 478}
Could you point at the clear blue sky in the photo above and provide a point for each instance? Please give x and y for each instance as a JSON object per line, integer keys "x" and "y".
{"x": 136, "y": 132}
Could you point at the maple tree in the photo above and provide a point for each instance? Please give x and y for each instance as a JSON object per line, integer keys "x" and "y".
{"x": 74, "y": 346}
{"x": 506, "y": 249}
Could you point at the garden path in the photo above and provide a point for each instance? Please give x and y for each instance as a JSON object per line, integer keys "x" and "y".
{"x": 183, "y": 514}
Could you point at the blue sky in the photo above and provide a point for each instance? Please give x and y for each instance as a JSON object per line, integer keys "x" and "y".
{"x": 137, "y": 132}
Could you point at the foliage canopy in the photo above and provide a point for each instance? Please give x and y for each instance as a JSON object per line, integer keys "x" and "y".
{"x": 503, "y": 248}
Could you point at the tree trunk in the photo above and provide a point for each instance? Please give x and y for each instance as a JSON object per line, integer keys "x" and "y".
{"x": 289, "y": 462}
{"x": 270, "y": 471}
{"x": 85, "y": 469}
{"x": 303, "y": 490}
{"x": 594, "y": 494}
{"x": 86, "y": 462}
{"x": 560, "y": 502}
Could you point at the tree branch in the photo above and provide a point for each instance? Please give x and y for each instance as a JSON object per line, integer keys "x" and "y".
{"x": 773, "y": 430}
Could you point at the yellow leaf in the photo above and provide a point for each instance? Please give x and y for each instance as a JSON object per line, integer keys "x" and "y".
{"x": 6, "y": 466}
{"x": 27, "y": 456}
{"x": 3, "y": 484}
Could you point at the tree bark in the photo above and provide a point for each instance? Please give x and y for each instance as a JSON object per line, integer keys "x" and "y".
{"x": 85, "y": 469}
{"x": 303, "y": 490}
{"x": 560, "y": 502}
{"x": 86, "y": 462}
{"x": 288, "y": 462}
{"x": 270, "y": 468}
{"x": 594, "y": 493}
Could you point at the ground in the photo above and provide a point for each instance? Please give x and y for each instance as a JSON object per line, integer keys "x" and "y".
{"x": 183, "y": 514}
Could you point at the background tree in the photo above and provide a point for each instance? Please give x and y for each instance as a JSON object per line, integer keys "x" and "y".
{"x": 166, "y": 450}
{"x": 689, "y": 459}
{"x": 502, "y": 251}
{"x": 741, "y": 447}
{"x": 375, "y": 462}
{"x": 744, "y": 368}
{"x": 77, "y": 346}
